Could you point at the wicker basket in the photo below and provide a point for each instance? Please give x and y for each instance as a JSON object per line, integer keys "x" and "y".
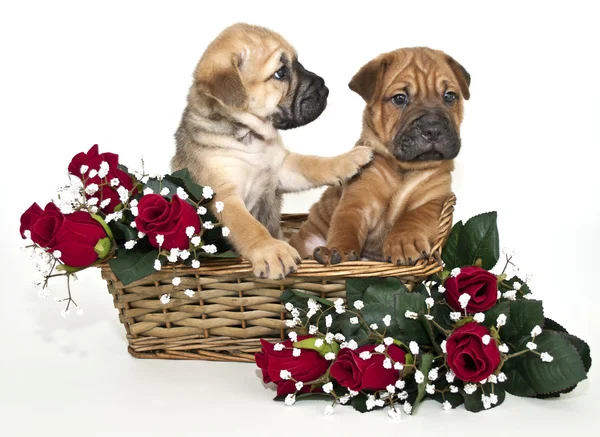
{"x": 232, "y": 309}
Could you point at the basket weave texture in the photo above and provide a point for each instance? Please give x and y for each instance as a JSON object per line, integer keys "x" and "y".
{"x": 232, "y": 309}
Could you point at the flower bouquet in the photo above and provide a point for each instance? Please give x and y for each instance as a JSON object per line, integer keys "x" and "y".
{"x": 462, "y": 336}
{"x": 135, "y": 221}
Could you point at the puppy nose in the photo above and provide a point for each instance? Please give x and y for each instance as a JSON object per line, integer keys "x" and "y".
{"x": 432, "y": 132}
{"x": 432, "y": 126}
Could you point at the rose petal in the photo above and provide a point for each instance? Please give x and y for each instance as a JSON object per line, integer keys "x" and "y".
{"x": 29, "y": 217}
{"x": 76, "y": 254}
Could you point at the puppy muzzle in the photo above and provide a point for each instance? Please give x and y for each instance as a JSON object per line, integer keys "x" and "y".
{"x": 429, "y": 137}
{"x": 308, "y": 101}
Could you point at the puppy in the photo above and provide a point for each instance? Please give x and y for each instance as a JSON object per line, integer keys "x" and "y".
{"x": 414, "y": 108}
{"x": 247, "y": 85}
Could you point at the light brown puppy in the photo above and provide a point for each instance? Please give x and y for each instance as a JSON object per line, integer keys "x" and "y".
{"x": 390, "y": 211}
{"x": 247, "y": 85}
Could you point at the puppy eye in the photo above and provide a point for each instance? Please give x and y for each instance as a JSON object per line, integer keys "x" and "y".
{"x": 400, "y": 99}
{"x": 450, "y": 97}
{"x": 281, "y": 74}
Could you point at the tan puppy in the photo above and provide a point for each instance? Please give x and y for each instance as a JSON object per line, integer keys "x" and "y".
{"x": 390, "y": 212}
{"x": 247, "y": 85}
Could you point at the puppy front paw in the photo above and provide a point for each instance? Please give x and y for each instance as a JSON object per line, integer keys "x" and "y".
{"x": 273, "y": 259}
{"x": 405, "y": 249}
{"x": 327, "y": 256}
{"x": 350, "y": 163}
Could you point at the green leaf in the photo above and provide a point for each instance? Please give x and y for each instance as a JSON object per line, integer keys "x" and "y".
{"x": 507, "y": 284}
{"x": 356, "y": 332}
{"x": 554, "y": 326}
{"x": 123, "y": 168}
{"x": 189, "y": 185}
{"x": 131, "y": 265}
{"x": 479, "y": 239}
{"x": 524, "y": 315}
{"x": 473, "y": 401}
{"x": 450, "y": 254}
{"x": 430, "y": 333}
{"x": 441, "y": 314}
{"x": 529, "y": 376}
{"x": 320, "y": 396}
{"x": 455, "y": 399}
{"x": 419, "y": 289}
{"x": 157, "y": 185}
{"x": 324, "y": 349}
{"x": 307, "y": 296}
{"x": 516, "y": 384}
{"x": 288, "y": 296}
{"x": 356, "y": 287}
{"x": 375, "y": 312}
{"x": 102, "y": 247}
{"x": 359, "y": 402}
{"x": 492, "y": 314}
{"x": 464, "y": 320}
{"x": 123, "y": 232}
{"x": 521, "y": 316}
{"x": 583, "y": 349}
{"x": 300, "y": 300}
{"x": 424, "y": 367}
{"x": 411, "y": 329}
{"x": 384, "y": 292}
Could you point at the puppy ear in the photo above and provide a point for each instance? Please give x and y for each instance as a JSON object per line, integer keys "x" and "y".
{"x": 223, "y": 82}
{"x": 463, "y": 76}
{"x": 368, "y": 81}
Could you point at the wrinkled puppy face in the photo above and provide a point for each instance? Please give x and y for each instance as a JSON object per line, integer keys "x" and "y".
{"x": 253, "y": 69}
{"x": 305, "y": 98}
{"x": 415, "y": 104}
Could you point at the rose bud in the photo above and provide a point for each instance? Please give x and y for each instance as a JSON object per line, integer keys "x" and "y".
{"x": 80, "y": 238}
{"x": 351, "y": 371}
{"x": 479, "y": 284}
{"x": 158, "y": 216}
{"x": 308, "y": 366}
{"x": 93, "y": 160}
{"x": 468, "y": 355}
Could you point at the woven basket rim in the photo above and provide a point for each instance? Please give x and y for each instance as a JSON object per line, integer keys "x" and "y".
{"x": 312, "y": 269}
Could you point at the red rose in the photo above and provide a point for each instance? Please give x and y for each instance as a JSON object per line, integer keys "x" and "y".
{"x": 467, "y": 355}
{"x": 92, "y": 160}
{"x": 308, "y": 366}
{"x": 78, "y": 236}
{"x": 478, "y": 283}
{"x": 157, "y": 216}
{"x": 357, "y": 374}
{"x": 29, "y": 217}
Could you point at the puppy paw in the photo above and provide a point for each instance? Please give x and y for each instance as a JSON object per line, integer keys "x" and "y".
{"x": 327, "y": 256}
{"x": 273, "y": 259}
{"x": 406, "y": 249}
{"x": 350, "y": 163}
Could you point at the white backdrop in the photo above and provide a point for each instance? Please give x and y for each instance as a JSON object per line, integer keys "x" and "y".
{"x": 117, "y": 74}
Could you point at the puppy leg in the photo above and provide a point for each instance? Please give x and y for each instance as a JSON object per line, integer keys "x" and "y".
{"x": 302, "y": 172}
{"x": 313, "y": 232}
{"x": 348, "y": 229}
{"x": 412, "y": 236}
{"x": 267, "y": 211}
{"x": 308, "y": 238}
{"x": 270, "y": 258}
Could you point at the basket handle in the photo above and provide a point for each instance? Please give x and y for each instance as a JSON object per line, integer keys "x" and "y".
{"x": 444, "y": 226}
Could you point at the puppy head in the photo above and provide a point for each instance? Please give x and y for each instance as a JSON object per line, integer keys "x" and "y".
{"x": 253, "y": 69}
{"x": 415, "y": 104}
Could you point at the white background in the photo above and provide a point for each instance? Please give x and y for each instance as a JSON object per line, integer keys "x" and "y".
{"x": 117, "y": 74}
